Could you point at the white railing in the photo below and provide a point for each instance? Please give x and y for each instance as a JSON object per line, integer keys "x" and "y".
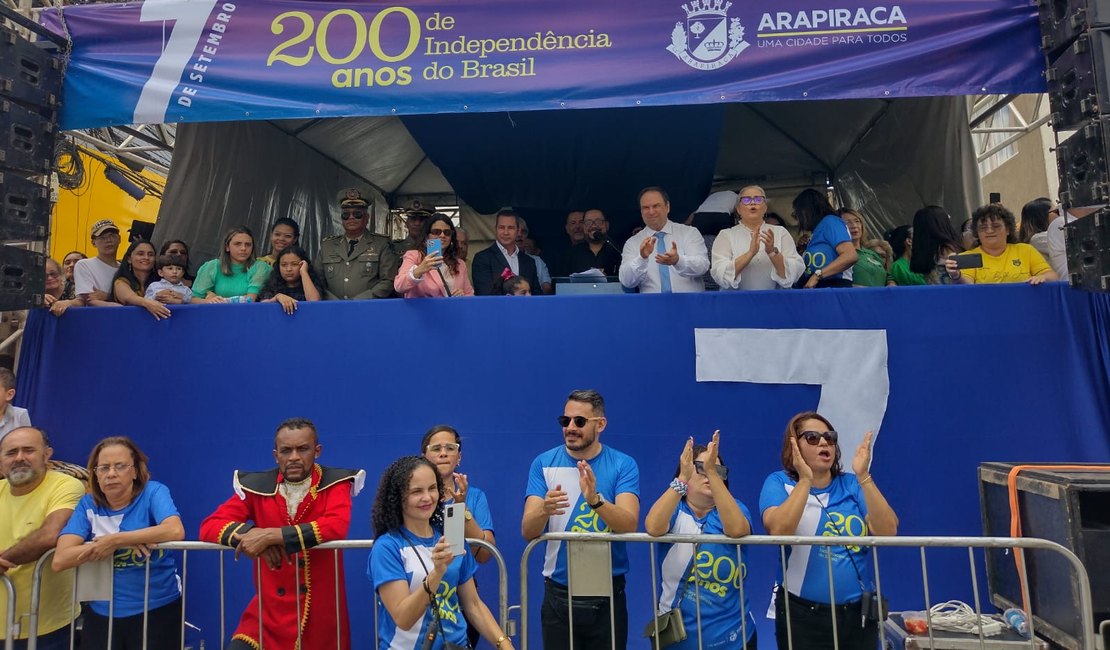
{"x": 1018, "y": 545}
{"x": 192, "y": 547}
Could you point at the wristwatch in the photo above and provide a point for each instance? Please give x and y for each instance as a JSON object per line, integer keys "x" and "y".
{"x": 469, "y": 517}
{"x": 819, "y": 272}
{"x": 600, "y": 502}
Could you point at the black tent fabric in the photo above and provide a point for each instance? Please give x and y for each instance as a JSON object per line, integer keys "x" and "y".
{"x": 885, "y": 157}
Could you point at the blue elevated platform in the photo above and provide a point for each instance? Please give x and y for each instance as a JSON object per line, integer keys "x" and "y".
{"x": 1007, "y": 373}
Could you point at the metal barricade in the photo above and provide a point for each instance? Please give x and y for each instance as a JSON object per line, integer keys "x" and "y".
{"x": 1019, "y": 545}
{"x": 9, "y": 614}
{"x": 185, "y": 547}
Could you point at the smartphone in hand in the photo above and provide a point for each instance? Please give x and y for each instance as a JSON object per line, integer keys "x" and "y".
{"x": 968, "y": 260}
{"x": 434, "y": 247}
{"x": 454, "y": 527}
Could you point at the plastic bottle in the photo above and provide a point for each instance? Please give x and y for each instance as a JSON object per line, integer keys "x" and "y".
{"x": 1017, "y": 620}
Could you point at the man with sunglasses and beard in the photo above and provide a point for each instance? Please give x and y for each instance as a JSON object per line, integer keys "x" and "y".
{"x": 357, "y": 264}
{"x": 813, "y": 496}
{"x": 276, "y": 517}
{"x": 582, "y": 486}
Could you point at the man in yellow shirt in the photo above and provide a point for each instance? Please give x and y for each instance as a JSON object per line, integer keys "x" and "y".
{"x": 34, "y": 506}
{"x": 1004, "y": 259}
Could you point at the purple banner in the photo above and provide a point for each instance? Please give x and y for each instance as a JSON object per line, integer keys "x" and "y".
{"x": 206, "y": 60}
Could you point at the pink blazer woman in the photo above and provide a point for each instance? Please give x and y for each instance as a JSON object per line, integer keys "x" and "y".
{"x": 431, "y": 284}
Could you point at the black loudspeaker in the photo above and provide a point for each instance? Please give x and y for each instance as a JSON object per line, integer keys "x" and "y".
{"x": 28, "y": 74}
{"x": 1089, "y": 251}
{"x": 1081, "y": 161}
{"x": 1079, "y": 81}
{"x": 1071, "y": 508}
{"x": 26, "y": 138}
{"x": 1063, "y": 20}
{"x": 24, "y": 208}
{"x": 22, "y": 278}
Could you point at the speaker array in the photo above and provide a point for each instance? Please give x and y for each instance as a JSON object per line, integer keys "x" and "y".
{"x": 1075, "y": 35}
{"x": 30, "y": 84}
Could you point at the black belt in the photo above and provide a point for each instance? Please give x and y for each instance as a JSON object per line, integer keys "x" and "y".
{"x": 561, "y": 589}
{"x": 848, "y": 608}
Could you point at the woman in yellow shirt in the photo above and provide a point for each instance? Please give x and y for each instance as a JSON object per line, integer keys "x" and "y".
{"x": 1004, "y": 259}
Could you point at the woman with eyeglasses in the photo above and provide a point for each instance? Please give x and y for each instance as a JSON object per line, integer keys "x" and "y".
{"x": 434, "y": 269}
{"x": 755, "y": 254}
{"x": 53, "y": 288}
{"x": 813, "y": 496}
{"x": 442, "y": 445}
{"x": 1004, "y": 258}
{"x": 124, "y": 514}
{"x": 422, "y": 588}
{"x": 703, "y": 581}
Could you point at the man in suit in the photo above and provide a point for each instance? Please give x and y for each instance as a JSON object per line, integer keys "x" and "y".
{"x": 357, "y": 264}
{"x": 503, "y": 254}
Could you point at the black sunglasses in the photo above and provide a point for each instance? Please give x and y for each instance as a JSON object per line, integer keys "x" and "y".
{"x": 579, "y": 421}
{"x": 722, "y": 471}
{"x": 813, "y": 437}
{"x": 353, "y": 215}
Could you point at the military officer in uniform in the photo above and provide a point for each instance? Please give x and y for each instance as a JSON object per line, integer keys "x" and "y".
{"x": 414, "y": 224}
{"x": 357, "y": 264}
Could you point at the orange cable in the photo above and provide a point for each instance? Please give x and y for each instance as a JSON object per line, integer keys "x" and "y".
{"x": 1015, "y": 518}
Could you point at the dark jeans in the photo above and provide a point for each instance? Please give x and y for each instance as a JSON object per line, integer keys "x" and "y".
{"x": 593, "y": 627}
{"x": 163, "y": 630}
{"x": 56, "y": 640}
{"x": 811, "y": 625}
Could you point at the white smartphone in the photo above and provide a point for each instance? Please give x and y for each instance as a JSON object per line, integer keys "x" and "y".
{"x": 454, "y": 527}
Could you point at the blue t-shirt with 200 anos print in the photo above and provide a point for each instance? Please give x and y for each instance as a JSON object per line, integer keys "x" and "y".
{"x": 616, "y": 472}
{"x": 838, "y": 509}
{"x": 394, "y": 558}
{"x": 821, "y": 249}
{"x": 149, "y": 508}
{"x": 710, "y": 587}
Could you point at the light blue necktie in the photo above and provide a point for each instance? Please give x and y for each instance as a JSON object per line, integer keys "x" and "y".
{"x": 664, "y": 270}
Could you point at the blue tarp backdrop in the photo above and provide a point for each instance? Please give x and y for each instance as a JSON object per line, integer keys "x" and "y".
{"x": 206, "y": 60}
{"x": 1008, "y": 373}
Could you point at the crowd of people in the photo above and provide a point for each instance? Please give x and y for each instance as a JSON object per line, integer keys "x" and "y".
{"x": 427, "y": 594}
{"x": 734, "y": 242}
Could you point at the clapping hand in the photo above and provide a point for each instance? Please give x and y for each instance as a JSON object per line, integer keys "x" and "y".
{"x": 555, "y": 502}
{"x": 709, "y": 465}
{"x": 647, "y": 246}
{"x": 459, "y": 486}
{"x": 800, "y": 466}
{"x": 587, "y": 481}
{"x": 861, "y": 462}
{"x": 753, "y": 245}
{"x": 686, "y": 461}
{"x": 670, "y": 258}
{"x": 768, "y": 239}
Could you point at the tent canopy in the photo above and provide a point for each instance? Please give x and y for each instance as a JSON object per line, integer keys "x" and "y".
{"x": 546, "y": 163}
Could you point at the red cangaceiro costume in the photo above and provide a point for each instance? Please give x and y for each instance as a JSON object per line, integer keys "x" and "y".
{"x": 303, "y": 589}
